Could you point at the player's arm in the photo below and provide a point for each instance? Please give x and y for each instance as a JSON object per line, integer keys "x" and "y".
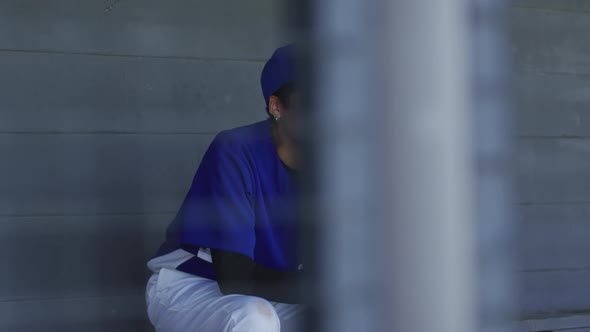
{"x": 238, "y": 274}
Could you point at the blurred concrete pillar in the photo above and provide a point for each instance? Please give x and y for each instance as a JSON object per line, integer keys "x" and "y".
{"x": 343, "y": 146}
{"x": 429, "y": 220}
{"x": 398, "y": 141}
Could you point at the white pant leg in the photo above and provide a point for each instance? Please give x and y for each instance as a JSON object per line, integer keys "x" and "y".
{"x": 179, "y": 301}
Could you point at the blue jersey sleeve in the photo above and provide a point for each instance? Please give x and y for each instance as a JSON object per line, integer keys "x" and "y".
{"x": 218, "y": 210}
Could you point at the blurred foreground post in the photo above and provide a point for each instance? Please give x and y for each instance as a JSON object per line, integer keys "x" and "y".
{"x": 494, "y": 140}
{"x": 342, "y": 147}
{"x": 408, "y": 143}
{"x": 429, "y": 220}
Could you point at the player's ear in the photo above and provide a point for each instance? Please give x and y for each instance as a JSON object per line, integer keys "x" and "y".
{"x": 275, "y": 107}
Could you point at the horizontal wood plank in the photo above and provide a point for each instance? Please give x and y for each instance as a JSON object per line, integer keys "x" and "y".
{"x": 552, "y": 105}
{"x": 73, "y": 93}
{"x": 113, "y": 314}
{"x": 553, "y": 170}
{"x": 551, "y": 293}
{"x": 569, "y": 5}
{"x": 565, "y": 322}
{"x": 550, "y": 41}
{"x": 77, "y": 256}
{"x": 96, "y": 174}
{"x": 554, "y": 236}
{"x": 231, "y": 29}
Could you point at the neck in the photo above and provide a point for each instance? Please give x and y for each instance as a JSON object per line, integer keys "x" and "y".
{"x": 286, "y": 148}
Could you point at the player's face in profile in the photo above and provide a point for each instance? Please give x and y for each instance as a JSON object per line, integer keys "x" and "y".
{"x": 291, "y": 118}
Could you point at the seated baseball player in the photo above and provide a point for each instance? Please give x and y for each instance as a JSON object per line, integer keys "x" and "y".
{"x": 230, "y": 257}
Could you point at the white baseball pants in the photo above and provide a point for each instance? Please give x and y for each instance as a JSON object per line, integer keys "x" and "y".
{"x": 182, "y": 302}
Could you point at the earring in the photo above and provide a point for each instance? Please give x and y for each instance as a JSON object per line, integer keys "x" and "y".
{"x": 277, "y": 118}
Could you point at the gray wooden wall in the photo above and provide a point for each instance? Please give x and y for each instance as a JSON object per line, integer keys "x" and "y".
{"x": 104, "y": 114}
{"x": 551, "y": 49}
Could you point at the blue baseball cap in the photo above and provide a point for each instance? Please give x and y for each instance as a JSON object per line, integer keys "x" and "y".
{"x": 278, "y": 71}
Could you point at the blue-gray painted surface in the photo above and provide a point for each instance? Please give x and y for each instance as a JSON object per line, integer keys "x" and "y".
{"x": 106, "y": 110}
{"x": 550, "y": 48}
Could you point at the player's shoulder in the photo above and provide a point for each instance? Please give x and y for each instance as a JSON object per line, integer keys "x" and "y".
{"x": 247, "y": 136}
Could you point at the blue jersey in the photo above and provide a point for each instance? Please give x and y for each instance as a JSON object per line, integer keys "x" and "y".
{"x": 242, "y": 199}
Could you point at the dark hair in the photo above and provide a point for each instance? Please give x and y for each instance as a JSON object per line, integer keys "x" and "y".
{"x": 284, "y": 94}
